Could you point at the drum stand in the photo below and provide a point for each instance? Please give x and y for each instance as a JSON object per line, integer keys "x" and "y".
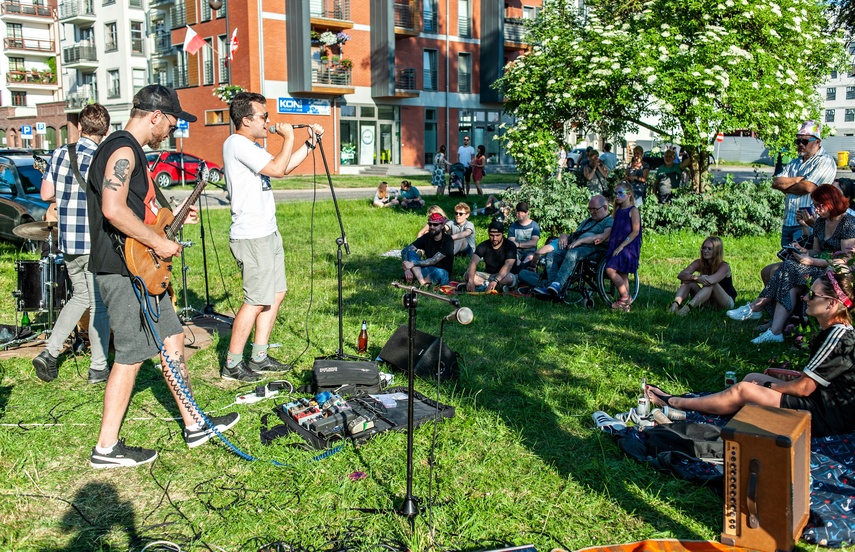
{"x": 187, "y": 312}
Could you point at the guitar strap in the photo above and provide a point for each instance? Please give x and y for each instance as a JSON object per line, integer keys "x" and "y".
{"x": 72, "y": 158}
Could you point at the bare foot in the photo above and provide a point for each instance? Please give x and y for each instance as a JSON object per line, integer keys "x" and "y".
{"x": 408, "y": 275}
{"x": 657, "y": 396}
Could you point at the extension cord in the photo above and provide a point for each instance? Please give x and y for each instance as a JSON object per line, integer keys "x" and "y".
{"x": 255, "y": 397}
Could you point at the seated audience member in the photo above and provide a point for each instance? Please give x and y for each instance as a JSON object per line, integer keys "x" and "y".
{"x": 431, "y": 210}
{"x": 834, "y": 231}
{"x": 438, "y": 248}
{"x": 589, "y": 239}
{"x": 596, "y": 173}
{"x": 827, "y": 385}
{"x": 383, "y": 197}
{"x": 624, "y": 245}
{"x": 494, "y": 206}
{"x": 707, "y": 280}
{"x": 669, "y": 176}
{"x": 462, "y": 231}
{"x": 410, "y": 196}
{"x": 525, "y": 233}
{"x": 499, "y": 256}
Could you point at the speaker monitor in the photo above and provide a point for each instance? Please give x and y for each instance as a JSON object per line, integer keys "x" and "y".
{"x": 766, "y": 478}
{"x": 425, "y": 352}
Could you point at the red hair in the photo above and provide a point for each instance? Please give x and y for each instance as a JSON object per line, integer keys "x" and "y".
{"x": 830, "y": 197}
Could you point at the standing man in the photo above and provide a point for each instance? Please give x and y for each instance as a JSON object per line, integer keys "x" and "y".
{"x": 812, "y": 168}
{"x": 438, "y": 262}
{"x": 62, "y": 185}
{"x": 608, "y": 158}
{"x": 254, "y": 238}
{"x": 122, "y": 204}
{"x": 465, "y": 154}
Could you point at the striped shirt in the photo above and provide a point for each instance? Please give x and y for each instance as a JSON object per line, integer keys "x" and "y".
{"x": 819, "y": 169}
{"x": 70, "y": 198}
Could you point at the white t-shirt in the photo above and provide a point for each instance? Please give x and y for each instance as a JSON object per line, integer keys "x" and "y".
{"x": 465, "y": 154}
{"x": 253, "y": 206}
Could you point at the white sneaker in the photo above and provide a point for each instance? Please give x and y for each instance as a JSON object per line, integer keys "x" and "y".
{"x": 768, "y": 337}
{"x": 607, "y": 423}
{"x": 744, "y": 313}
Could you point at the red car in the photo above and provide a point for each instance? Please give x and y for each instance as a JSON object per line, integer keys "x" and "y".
{"x": 165, "y": 167}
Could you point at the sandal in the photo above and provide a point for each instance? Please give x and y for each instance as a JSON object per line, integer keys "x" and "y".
{"x": 622, "y": 304}
{"x": 658, "y": 395}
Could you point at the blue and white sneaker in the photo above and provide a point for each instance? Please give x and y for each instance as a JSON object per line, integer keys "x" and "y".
{"x": 541, "y": 290}
{"x": 555, "y": 289}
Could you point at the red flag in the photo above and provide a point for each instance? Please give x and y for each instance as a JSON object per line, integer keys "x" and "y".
{"x": 233, "y": 45}
{"x": 193, "y": 42}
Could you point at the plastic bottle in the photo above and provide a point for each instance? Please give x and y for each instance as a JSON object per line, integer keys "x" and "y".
{"x": 25, "y": 320}
{"x": 362, "y": 342}
{"x": 474, "y": 206}
{"x": 643, "y": 408}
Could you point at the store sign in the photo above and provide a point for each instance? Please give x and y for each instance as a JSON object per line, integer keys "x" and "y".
{"x": 303, "y": 106}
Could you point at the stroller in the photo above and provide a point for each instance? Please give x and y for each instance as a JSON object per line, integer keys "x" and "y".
{"x": 455, "y": 182}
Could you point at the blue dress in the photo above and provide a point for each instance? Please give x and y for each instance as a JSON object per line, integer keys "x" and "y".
{"x": 627, "y": 260}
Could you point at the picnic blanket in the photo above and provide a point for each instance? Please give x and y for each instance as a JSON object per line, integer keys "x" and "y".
{"x": 832, "y": 482}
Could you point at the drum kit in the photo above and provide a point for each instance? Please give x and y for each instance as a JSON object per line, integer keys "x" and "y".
{"x": 42, "y": 284}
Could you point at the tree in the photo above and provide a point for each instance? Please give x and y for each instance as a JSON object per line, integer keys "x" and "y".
{"x": 701, "y": 66}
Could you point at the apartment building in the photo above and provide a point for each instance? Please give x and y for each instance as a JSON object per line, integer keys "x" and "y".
{"x": 390, "y": 80}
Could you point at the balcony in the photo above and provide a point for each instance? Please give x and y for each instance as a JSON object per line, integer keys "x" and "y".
{"x": 333, "y": 79}
{"x": 330, "y": 14}
{"x": 160, "y": 4}
{"x": 163, "y": 45}
{"x": 25, "y": 79}
{"x": 178, "y": 15}
{"x": 405, "y": 20}
{"x": 30, "y": 45}
{"x": 79, "y": 57}
{"x": 405, "y": 83}
{"x": 77, "y": 12}
{"x": 514, "y": 34}
{"x": 84, "y": 95}
{"x": 16, "y": 10}
{"x": 208, "y": 72}
{"x": 180, "y": 78}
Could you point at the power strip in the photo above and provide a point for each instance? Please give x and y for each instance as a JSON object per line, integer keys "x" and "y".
{"x": 261, "y": 393}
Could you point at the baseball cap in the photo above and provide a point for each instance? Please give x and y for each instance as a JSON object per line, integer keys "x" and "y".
{"x": 155, "y": 97}
{"x": 810, "y": 128}
{"x": 436, "y": 218}
{"x": 496, "y": 226}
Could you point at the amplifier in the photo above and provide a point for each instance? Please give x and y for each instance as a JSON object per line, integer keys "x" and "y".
{"x": 766, "y": 478}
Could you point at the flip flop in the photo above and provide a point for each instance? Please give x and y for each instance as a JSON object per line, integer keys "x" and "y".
{"x": 607, "y": 423}
{"x": 664, "y": 400}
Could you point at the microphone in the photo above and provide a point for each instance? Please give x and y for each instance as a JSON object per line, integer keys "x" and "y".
{"x": 463, "y": 315}
{"x": 272, "y": 129}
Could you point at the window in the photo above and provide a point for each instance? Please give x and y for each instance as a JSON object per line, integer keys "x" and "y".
{"x": 16, "y": 64}
{"x": 852, "y": 49}
{"x": 430, "y": 135}
{"x": 831, "y": 93}
{"x": 14, "y": 35}
{"x": 139, "y": 79}
{"x": 222, "y": 53}
{"x": 829, "y": 115}
{"x": 850, "y": 92}
{"x": 849, "y": 116}
{"x": 19, "y": 99}
{"x": 111, "y": 37}
{"x": 114, "y": 87}
{"x": 834, "y": 74}
{"x": 430, "y": 70}
{"x": 206, "y": 11}
{"x": 429, "y": 16}
{"x": 217, "y": 117}
{"x": 530, "y": 12}
{"x": 207, "y": 64}
{"x": 137, "y": 37}
{"x": 464, "y": 73}
{"x": 222, "y": 11}
{"x": 464, "y": 22}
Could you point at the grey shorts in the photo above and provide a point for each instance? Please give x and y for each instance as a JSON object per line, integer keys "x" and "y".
{"x": 131, "y": 334}
{"x": 262, "y": 265}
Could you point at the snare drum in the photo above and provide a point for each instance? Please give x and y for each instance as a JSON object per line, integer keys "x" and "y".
{"x": 34, "y": 277}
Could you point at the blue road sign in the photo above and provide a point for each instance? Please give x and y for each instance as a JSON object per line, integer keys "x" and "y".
{"x": 27, "y": 132}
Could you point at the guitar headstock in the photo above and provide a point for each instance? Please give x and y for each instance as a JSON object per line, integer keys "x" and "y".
{"x": 40, "y": 164}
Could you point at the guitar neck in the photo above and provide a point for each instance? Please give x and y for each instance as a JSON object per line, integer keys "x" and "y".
{"x": 178, "y": 222}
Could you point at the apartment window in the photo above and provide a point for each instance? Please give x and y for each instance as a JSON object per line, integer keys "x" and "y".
{"x": 852, "y": 49}
{"x": 429, "y": 11}
{"x": 139, "y": 79}
{"x": 14, "y": 35}
{"x": 111, "y": 37}
{"x": 430, "y": 135}
{"x": 464, "y": 20}
{"x": 16, "y": 64}
{"x": 217, "y": 117}
{"x": 430, "y": 70}
{"x": 137, "y": 37}
{"x": 530, "y": 12}
{"x": 206, "y": 11}
{"x": 222, "y": 11}
{"x": 849, "y": 116}
{"x": 222, "y": 56}
{"x": 114, "y": 87}
{"x": 850, "y": 92}
{"x": 19, "y": 99}
{"x": 829, "y": 115}
{"x": 161, "y": 77}
{"x": 831, "y": 93}
{"x": 834, "y": 74}
{"x": 464, "y": 73}
{"x": 207, "y": 64}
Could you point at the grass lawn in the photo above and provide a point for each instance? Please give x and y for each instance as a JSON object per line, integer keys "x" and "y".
{"x": 519, "y": 463}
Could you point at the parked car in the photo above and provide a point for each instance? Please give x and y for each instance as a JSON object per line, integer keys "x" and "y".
{"x": 654, "y": 160}
{"x": 165, "y": 168}
{"x": 20, "y": 202}
{"x": 574, "y": 156}
{"x": 851, "y": 163}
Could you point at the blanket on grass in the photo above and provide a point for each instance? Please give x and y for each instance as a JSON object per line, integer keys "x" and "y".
{"x": 832, "y": 482}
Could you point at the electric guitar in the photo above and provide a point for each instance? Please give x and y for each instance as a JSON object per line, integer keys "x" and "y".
{"x": 142, "y": 261}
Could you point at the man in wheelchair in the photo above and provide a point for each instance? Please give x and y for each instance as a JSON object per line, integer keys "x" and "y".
{"x": 590, "y": 239}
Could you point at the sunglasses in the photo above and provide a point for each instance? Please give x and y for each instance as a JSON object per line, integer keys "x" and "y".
{"x": 804, "y": 141}
{"x": 264, "y": 115}
{"x": 461, "y": 214}
{"x": 811, "y": 295}
{"x": 434, "y": 224}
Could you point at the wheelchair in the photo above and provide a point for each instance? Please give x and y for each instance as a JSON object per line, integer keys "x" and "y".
{"x": 589, "y": 283}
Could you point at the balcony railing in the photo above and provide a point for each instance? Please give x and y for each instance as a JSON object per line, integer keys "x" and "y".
{"x": 464, "y": 82}
{"x": 29, "y": 44}
{"x": 405, "y": 79}
{"x": 77, "y": 54}
{"x": 224, "y": 70}
{"x": 464, "y": 27}
{"x": 404, "y": 17}
{"x": 179, "y": 77}
{"x": 514, "y": 30}
{"x": 83, "y": 96}
{"x": 178, "y": 15}
{"x": 30, "y": 77}
{"x": 332, "y": 75}
{"x": 208, "y": 72}
{"x": 163, "y": 43}
{"x": 76, "y": 8}
{"x": 330, "y": 9}
{"x": 430, "y": 79}
{"x": 15, "y": 8}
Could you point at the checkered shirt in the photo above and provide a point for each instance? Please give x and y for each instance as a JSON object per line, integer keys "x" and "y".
{"x": 819, "y": 169}
{"x": 70, "y": 198}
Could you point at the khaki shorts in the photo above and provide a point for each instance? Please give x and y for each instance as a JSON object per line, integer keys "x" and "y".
{"x": 262, "y": 265}
{"x": 486, "y": 276}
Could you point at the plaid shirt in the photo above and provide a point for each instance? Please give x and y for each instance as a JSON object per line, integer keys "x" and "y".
{"x": 70, "y": 198}
{"x": 819, "y": 169}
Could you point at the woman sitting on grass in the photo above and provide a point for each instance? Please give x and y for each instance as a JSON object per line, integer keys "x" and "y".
{"x": 827, "y": 385}
{"x": 382, "y": 197}
{"x": 706, "y": 280}
{"x": 624, "y": 244}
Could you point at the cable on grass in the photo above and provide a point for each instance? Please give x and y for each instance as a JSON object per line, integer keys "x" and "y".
{"x": 217, "y": 257}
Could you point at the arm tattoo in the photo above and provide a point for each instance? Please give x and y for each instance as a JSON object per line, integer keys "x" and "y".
{"x": 110, "y": 185}
{"x": 432, "y": 261}
{"x": 120, "y": 170}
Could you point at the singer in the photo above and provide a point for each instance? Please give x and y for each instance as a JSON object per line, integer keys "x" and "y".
{"x": 254, "y": 237}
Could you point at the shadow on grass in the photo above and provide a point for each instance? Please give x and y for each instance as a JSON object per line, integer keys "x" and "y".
{"x": 96, "y": 513}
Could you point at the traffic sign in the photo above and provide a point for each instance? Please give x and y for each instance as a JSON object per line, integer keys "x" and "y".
{"x": 27, "y": 132}
{"x": 181, "y": 124}
{"x": 719, "y": 137}
{"x": 41, "y": 128}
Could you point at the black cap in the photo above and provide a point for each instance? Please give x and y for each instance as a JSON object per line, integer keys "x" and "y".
{"x": 496, "y": 225}
{"x": 155, "y": 97}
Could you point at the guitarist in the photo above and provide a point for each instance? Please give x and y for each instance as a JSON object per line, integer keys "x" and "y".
{"x": 121, "y": 204}
{"x": 64, "y": 183}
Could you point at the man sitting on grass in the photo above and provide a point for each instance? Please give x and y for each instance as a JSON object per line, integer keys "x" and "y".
{"x": 499, "y": 256}
{"x": 410, "y": 197}
{"x": 438, "y": 249}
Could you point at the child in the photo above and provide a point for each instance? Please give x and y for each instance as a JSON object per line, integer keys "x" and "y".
{"x": 624, "y": 244}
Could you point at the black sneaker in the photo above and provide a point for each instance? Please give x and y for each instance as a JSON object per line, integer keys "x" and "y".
{"x": 268, "y": 364}
{"x": 122, "y": 456}
{"x": 98, "y": 376}
{"x": 240, "y": 372}
{"x": 196, "y": 437}
{"x": 45, "y": 366}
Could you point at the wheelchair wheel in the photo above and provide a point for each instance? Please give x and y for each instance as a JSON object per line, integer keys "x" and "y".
{"x": 608, "y": 291}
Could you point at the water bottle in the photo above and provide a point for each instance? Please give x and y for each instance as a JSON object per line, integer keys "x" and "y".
{"x": 362, "y": 342}
{"x": 643, "y": 408}
{"x": 474, "y": 207}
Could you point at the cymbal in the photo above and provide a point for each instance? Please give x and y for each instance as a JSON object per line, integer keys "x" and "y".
{"x": 37, "y": 231}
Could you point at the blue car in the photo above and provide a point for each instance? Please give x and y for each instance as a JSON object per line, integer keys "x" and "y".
{"x": 20, "y": 203}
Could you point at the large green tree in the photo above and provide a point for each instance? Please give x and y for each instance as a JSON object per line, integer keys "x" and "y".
{"x": 699, "y": 66}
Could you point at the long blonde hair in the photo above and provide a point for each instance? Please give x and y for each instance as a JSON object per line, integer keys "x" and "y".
{"x": 711, "y": 266}
{"x": 628, "y": 189}
{"x": 383, "y": 190}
